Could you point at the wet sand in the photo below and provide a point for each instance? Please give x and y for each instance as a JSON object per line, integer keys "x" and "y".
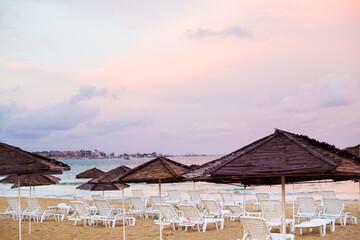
{"x": 145, "y": 229}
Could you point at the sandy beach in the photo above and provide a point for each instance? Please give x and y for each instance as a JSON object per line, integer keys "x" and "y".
{"x": 147, "y": 230}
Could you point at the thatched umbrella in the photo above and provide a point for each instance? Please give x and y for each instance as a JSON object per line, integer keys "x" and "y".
{"x": 160, "y": 169}
{"x": 14, "y": 160}
{"x": 90, "y": 173}
{"x": 35, "y": 179}
{"x": 103, "y": 183}
{"x": 102, "y": 186}
{"x": 279, "y": 158}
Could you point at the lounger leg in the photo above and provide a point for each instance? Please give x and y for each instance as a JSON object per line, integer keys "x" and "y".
{"x": 204, "y": 227}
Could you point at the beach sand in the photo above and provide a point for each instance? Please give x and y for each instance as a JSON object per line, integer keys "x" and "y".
{"x": 145, "y": 229}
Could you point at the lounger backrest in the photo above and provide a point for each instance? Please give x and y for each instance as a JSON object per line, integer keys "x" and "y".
{"x": 174, "y": 195}
{"x": 97, "y": 197}
{"x": 138, "y": 193}
{"x": 271, "y": 210}
{"x": 137, "y": 203}
{"x": 306, "y": 204}
{"x": 13, "y": 203}
{"x": 194, "y": 196}
{"x": 255, "y": 227}
{"x": 156, "y": 200}
{"x": 227, "y": 197}
{"x": 167, "y": 211}
{"x": 103, "y": 208}
{"x": 262, "y": 196}
{"x": 190, "y": 212}
{"x": 79, "y": 208}
{"x": 33, "y": 205}
{"x": 332, "y": 205}
{"x": 235, "y": 209}
{"x": 81, "y": 199}
{"x": 211, "y": 206}
{"x": 327, "y": 194}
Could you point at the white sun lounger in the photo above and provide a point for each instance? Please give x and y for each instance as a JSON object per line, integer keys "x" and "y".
{"x": 271, "y": 212}
{"x": 81, "y": 213}
{"x": 195, "y": 220}
{"x": 169, "y": 216}
{"x": 333, "y": 209}
{"x": 213, "y": 210}
{"x": 236, "y": 211}
{"x": 13, "y": 208}
{"x": 174, "y": 197}
{"x": 306, "y": 208}
{"x": 259, "y": 197}
{"x": 255, "y": 228}
{"x": 227, "y": 198}
{"x": 34, "y": 210}
{"x": 106, "y": 214}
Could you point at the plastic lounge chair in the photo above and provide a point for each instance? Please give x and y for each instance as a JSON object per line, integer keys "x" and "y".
{"x": 236, "y": 211}
{"x": 13, "y": 208}
{"x": 97, "y": 196}
{"x": 174, "y": 197}
{"x": 154, "y": 200}
{"x": 334, "y": 210}
{"x": 271, "y": 212}
{"x": 91, "y": 209}
{"x": 81, "y": 213}
{"x": 105, "y": 213}
{"x": 213, "y": 210}
{"x": 34, "y": 210}
{"x": 227, "y": 198}
{"x": 139, "y": 193}
{"x": 259, "y": 197}
{"x": 327, "y": 194}
{"x": 195, "y": 220}
{"x": 137, "y": 207}
{"x": 255, "y": 228}
{"x": 306, "y": 208}
{"x": 195, "y": 198}
{"x": 169, "y": 216}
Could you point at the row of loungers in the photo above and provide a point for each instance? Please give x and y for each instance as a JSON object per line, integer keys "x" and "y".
{"x": 196, "y": 213}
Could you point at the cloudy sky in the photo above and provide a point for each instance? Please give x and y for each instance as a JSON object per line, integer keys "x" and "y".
{"x": 177, "y": 77}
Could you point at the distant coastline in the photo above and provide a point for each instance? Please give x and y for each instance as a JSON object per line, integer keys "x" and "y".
{"x": 96, "y": 154}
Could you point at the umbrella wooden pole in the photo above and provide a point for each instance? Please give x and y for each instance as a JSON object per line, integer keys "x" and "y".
{"x": 30, "y": 211}
{"x": 160, "y": 209}
{"x": 19, "y": 207}
{"x": 123, "y": 206}
{"x": 283, "y": 218}
{"x": 244, "y": 205}
{"x": 293, "y": 197}
{"x": 193, "y": 185}
{"x": 103, "y": 194}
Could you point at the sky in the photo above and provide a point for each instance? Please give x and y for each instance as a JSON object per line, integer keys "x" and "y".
{"x": 177, "y": 77}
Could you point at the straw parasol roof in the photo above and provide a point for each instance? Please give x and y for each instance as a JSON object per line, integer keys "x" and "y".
{"x": 102, "y": 186}
{"x": 297, "y": 157}
{"x": 111, "y": 174}
{"x": 355, "y": 150}
{"x": 14, "y": 160}
{"x": 90, "y": 173}
{"x": 102, "y": 183}
{"x": 36, "y": 179}
{"x": 160, "y": 168}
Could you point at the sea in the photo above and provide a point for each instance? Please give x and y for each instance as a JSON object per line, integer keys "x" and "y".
{"x": 66, "y": 189}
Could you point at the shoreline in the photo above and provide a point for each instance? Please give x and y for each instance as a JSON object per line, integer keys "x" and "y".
{"x": 145, "y": 229}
